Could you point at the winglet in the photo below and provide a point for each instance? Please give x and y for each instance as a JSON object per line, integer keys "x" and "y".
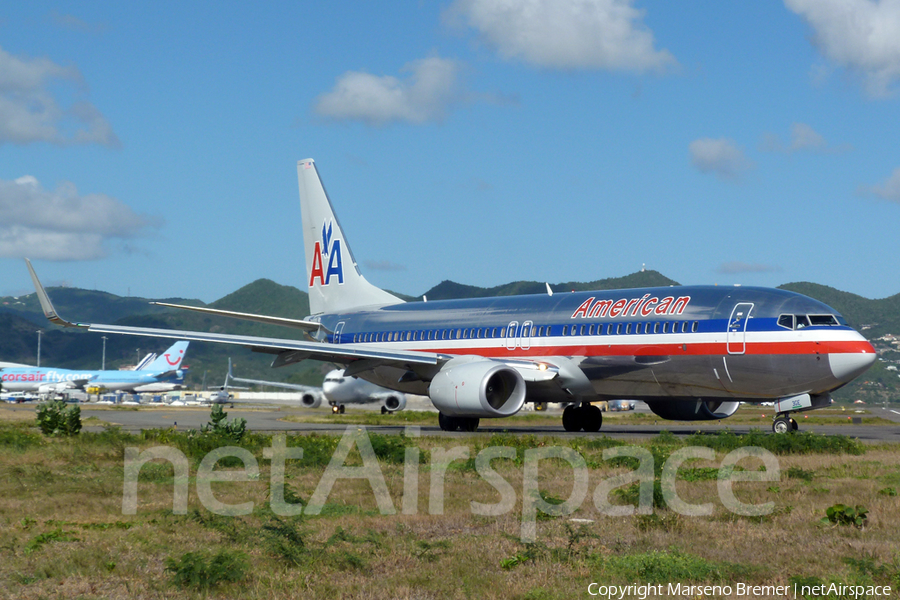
{"x": 46, "y": 305}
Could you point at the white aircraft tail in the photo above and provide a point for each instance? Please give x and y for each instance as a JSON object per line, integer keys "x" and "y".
{"x": 170, "y": 359}
{"x": 334, "y": 281}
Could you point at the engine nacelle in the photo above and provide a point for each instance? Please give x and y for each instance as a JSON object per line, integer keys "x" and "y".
{"x": 310, "y": 400}
{"x": 394, "y": 402}
{"x": 477, "y": 388}
{"x": 54, "y": 388}
{"x": 693, "y": 410}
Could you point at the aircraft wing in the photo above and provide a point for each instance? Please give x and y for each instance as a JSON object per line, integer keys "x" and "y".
{"x": 288, "y": 351}
{"x": 308, "y": 326}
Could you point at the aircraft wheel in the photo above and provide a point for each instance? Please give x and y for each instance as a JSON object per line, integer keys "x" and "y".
{"x": 447, "y": 423}
{"x": 335, "y": 408}
{"x": 794, "y": 426}
{"x": 341, "y": 410}
{"x": 383, "y": 410}
{"x": 468, "y": 423}
{"x": 592, "y": 419}
{"x": 540, "y": 406}
{"x": 781, "y": 425}
{"x": 571, "y": 418}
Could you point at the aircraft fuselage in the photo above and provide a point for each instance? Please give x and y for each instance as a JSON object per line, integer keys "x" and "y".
{"x": 684, "y": 342}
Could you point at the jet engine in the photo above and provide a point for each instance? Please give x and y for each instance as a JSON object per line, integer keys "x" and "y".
{"x": 477, "y": 388}
{"x": 393, "y": 403}
{"x": 54, "y": 388}
{"x": 693, "y": 410}
{"x": 310, "y": 400}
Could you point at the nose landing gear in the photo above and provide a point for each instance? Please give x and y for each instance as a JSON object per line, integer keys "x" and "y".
{"x": 783, "y": 423}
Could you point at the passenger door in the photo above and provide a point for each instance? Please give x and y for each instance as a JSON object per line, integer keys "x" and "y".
{"x": 736, "y": 342}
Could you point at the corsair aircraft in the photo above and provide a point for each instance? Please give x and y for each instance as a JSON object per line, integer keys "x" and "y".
{"x": 689, "y": 352}
{"x": 162, "y": 373}
{"x": 339, "y": 390}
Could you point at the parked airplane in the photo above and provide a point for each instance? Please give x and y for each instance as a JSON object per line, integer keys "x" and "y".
{"x": 338, "y": 390}
{"x": 690, "y": 353}
{"x": 163, "y": 371}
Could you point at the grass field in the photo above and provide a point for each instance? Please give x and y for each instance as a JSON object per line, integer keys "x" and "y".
{"x": 63, "y": 533}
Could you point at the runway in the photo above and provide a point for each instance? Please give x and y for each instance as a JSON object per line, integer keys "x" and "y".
{"x": 271, "y": 420}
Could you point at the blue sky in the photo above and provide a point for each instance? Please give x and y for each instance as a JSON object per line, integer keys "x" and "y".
{"x": 150, "y": 149}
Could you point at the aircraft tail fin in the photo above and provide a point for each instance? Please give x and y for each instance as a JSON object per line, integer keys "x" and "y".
{"x": 145, "y": 362}
{"x": 334, "y": 281}
{"x": 170, "y": 360}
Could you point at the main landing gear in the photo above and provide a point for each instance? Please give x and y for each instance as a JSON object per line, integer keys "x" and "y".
{"x": 449, "y": 423}
{"x": 586, "y": 417}
{"x": 783, "y": 423}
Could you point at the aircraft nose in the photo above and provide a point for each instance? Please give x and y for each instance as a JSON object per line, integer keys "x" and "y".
{"x": 847, "y": 366}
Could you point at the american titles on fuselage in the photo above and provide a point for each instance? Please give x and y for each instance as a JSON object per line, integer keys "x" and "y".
{"x": 623, "y": 307}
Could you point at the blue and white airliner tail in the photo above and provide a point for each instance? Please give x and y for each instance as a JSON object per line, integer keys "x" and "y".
{"x": 689, "y": 352}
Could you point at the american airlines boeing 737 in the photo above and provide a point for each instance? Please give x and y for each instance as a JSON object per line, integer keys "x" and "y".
{"x": 690, "y": 352}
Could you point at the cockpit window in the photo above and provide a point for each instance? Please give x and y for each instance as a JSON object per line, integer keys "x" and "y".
{"x": 823, "y": 320}
{"x": 801, "y": 321}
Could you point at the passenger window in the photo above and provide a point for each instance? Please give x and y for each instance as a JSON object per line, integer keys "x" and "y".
{"x": 591, "y": 330}
{"x": 666, "y": 327}
{"x": 618, "y": 328}
{"x": 566, "y": 329}
{"x": 628, "y": 329}
{"x": 695, "y": 327}
{"x": 786, "y": 321}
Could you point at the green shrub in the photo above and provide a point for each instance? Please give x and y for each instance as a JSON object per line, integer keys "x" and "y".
{"x": 841, "y": 514}
{"x": 199, "y": 571}
{"x": 234, "y": 429}
{"x": 58, "y": 418}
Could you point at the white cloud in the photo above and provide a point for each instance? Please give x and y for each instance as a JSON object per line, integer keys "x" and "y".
{"x": 430, "y": 90}
{"x": 803, "y": 139}
{"x": 889, "y": 190}
{"x": 383, "y": 265}
{"x": 73, "y": 23}
{"x": 566, "y": 34}
{"x": 29, "y": 113}
{"x": 722, "y": 157}
{"x": 60, "y": 224}
{"x": 738, "y": 267}
{"x": 860, "y": 35}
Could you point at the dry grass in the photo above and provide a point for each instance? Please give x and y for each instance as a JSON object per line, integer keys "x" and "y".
{"x": 63, "y": 533}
